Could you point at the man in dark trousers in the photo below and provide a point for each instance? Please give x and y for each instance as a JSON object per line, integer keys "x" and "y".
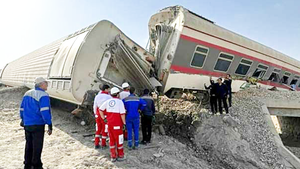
{"x": 213, "y": 96}
{"x": 228, "y": 82}
{"x": 147, "y": 117}
{"x": 35, "y": 113}
{"x": 132, "y": 105}
{"x": 222, "y": 92}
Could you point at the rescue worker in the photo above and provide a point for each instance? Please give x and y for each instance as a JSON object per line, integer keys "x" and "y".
{"x": 213, "y": 97}
{"x": 35, "y": 113}
{"x": 222, "y": 92}
{"x": 132, "y": 105}
{"x": 147, "y": 117}
{"x": 115, "y": 120}
{"x": 125, "y": 93}
{"x": 228, "y": 82}
{"x": 101, "y": 127}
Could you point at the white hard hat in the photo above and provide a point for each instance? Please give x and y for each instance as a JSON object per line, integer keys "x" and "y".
{"x": 114, "y": 90}
{"x": 39, "y": 80}
{"x": 125, "y": 85}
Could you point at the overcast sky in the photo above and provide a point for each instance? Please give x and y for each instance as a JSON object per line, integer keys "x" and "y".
{"x": 27, "y": 25}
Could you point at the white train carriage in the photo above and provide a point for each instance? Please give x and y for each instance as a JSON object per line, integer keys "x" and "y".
{"x": 190, "y": 48}
{"x": 73, "y": 65}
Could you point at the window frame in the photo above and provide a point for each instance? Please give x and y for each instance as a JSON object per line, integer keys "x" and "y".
{"x": 261, "y": 69}
{"x": 295, "y": 77}
{"x": 278, "y": 73}
{"x": 224, "y": 59}
{"x": 195, "y": 51}
{"x": 245, "y": 65}
{"x": 54, "y": 84}
{"x": 284, "y": 74}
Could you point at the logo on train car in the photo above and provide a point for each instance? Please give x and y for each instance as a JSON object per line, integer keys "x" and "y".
{"x": 112, "y": 103}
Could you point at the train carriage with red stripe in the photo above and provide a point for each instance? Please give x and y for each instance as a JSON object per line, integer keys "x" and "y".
{"x": 190, "y": 48}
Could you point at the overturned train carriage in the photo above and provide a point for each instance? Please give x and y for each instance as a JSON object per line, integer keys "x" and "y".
{"x": 185, "y": 49}
{"x": 190, "y": 48}
{"x": 81, "y": 62}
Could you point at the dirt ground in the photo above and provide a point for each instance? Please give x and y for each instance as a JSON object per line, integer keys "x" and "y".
{"x": 66, "y": 148}
{"x": 239, "y": 140}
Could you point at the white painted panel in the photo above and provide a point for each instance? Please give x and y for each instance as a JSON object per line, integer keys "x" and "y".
{"x": 61, "y": 57}
{"x": 72, "y": 54}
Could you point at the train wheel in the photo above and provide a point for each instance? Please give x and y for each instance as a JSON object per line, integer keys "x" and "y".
{"x": 204, "y": 97}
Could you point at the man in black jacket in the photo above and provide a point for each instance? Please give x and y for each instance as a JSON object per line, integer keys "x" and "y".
{"x": 147, "y": 117}
{"x": 222, "y": 92}
{"x": 228, "y": 82}
{"x": 213, "y": 96}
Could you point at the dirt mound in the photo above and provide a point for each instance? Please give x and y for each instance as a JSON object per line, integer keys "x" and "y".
{"x": 10, "y": 98}
{"x": 241, "y": 139}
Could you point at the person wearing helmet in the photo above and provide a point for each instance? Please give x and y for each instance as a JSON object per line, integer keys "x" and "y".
{"x": 35, "y": 113}
{"x": 125, "y": 93}
{"x": 115, "y": 120}
{"x": 101, "y": 127}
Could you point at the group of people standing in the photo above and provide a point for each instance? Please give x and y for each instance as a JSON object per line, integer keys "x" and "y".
{"x": 117, "y": 115}
{"x": 220, "y": 94}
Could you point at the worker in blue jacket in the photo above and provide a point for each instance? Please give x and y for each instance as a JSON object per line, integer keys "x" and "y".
{"x": 147, "y": 117}
{"x": 35, "y": 113}
{"x": 132, "y": 105}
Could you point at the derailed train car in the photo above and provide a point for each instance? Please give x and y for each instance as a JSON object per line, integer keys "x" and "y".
{"x": 190, "y": 48}
{"x": 185, "y": 49}
{"x": 80, "y": 62}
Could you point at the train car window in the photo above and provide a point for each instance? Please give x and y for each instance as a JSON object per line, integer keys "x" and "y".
{"x": 66, "y": 85}
{"x": 277, "y": 70}
{"x": 295, "y": 80}
{"x": 60, "y": 85}
{"x": 54, "y": 83}
{"x": 285, "y": 78}
{"x": 223, "y": 62}
{"x": 199, "y": 56}
{"x": 275, "y": 75}
{"x": 243, "y": 67}
{"x": 260, "y": 71}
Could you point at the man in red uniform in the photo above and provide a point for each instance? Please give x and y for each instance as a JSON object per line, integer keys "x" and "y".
{"x": 101, "y": 127}
{"x": 115, "y": 119}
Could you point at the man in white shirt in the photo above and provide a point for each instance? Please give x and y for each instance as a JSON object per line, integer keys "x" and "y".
{"x": 101, "y": 127}
{"x": 125, "y": 93}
